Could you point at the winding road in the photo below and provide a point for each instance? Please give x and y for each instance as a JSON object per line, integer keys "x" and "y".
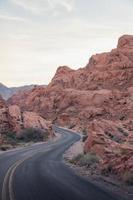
{"x": 38, "y": 172}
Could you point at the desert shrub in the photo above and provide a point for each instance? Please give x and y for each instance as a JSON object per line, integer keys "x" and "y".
{"x": 107, "y": 171}
{"x": 123, "y": 131}
{"x": 71, "y": 126}
{"x": 5, "y": 147}
{"x": 32, "y": 134}
{"x": 84, "y": 138}
{"x": 10, "y": 137}
{"x": 117, "y": 139}
{"x": 109, "y": 134}
{"x": 89, "y": 159}
{"x": 86, "y": 159}
{"x": 85, "y": 135}
{"x": 113, "y": 137}
{"x": 76, "y": 159}
{"x": 84, "y": 131}
{"x": 122, "y": 117}
{"x": 128, "y": 177}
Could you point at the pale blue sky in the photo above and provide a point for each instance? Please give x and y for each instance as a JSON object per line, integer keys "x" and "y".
{"x": 37, "y": 36}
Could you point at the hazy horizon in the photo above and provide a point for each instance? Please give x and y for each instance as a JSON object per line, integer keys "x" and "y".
{"x": 37, "y": 36}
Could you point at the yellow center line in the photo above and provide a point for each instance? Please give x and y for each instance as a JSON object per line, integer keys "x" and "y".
{"x": 8, "y": 180}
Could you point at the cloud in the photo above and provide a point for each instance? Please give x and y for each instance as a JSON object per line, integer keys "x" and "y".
{"x": 12, "y": 18}
{"x": 41, "y": 6}
{"x": 67, "y": 4}
{"x": 31, "y": 51}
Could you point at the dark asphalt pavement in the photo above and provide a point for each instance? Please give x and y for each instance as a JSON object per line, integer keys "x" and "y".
{"x": 38, "y": 172}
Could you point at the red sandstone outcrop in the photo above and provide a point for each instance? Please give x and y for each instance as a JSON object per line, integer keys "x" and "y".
{"x": 16, "y": 118}
{"x": 97, "y": 98}
{"x": 4, "y": 119}
{"x": 32, "y": 119}
{"x": 12, "y": 119}
{"x": 21, "y": 120}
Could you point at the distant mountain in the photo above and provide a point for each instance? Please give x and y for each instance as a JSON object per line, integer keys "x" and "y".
{"x": 7, "y": 92}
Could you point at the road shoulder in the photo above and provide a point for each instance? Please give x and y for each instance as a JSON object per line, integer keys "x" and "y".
{"x": 110, "y": 183}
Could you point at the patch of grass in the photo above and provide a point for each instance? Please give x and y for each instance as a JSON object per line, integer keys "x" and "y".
{"x": 86, "y": 159}
{"x": 128, "y": 177}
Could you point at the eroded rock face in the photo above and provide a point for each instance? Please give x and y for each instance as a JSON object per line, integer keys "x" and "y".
{"x": 5, "y": 126}
{"x": 23, "y": 120}
{"x": 112, "y": 141}
{"x": 32, "y": 119}
{"x": 16, "y": 118}
{"x": 13, "y": 120}
{"x": 97, "y": 98}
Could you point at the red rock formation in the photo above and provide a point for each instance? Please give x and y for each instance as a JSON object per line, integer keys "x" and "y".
{"x": 16, "y": 118}
{"x": 3, "y": 118}
{"x": 22, "y": 120}
{"x": 12, "y": 119}
{"x": 98, "y": 98}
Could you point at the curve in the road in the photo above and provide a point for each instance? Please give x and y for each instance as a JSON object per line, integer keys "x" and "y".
{"x": 44, "y": 176}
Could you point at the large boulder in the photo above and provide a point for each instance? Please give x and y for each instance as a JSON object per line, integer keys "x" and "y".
{"x": 23, "y": 120}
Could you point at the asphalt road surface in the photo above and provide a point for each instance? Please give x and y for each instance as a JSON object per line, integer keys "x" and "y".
{"x": 38, "y": 172}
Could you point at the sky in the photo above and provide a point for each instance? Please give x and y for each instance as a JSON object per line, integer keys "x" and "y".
{"x": 37, "y": 36}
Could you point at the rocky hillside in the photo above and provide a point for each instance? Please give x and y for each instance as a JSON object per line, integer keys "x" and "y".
{"x": 97, "y": 100}
{"x": 7, "y": 92}
{"x": 13, "y": 122}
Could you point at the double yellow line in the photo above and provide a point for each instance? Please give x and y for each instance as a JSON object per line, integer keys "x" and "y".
{"x": 7, "y": 189}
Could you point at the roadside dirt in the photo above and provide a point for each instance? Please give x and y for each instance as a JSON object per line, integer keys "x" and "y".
{"x": 109, "y": 183}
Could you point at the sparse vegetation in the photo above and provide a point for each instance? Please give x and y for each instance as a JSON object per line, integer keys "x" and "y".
{"x": 27, "y": 135}
{"x": 76, "y": 159}
{"x": 85, "y": 135}
{"x": 11, "y": 139}
{"x": 86, "y": 159}
{"x": 84, "y": 131}
{"x": 71, "y": 126}
{"x": 117, "y": 138}
{"x": 122, "y": 117}
{"x": 84, "y": 138}
{"x": 109, "y": 134}
{"x": 5, "y": 147}
{"x": 123, "y": 131}
{"x": 32, "y": 134}
{"x": 107, "y": 171}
